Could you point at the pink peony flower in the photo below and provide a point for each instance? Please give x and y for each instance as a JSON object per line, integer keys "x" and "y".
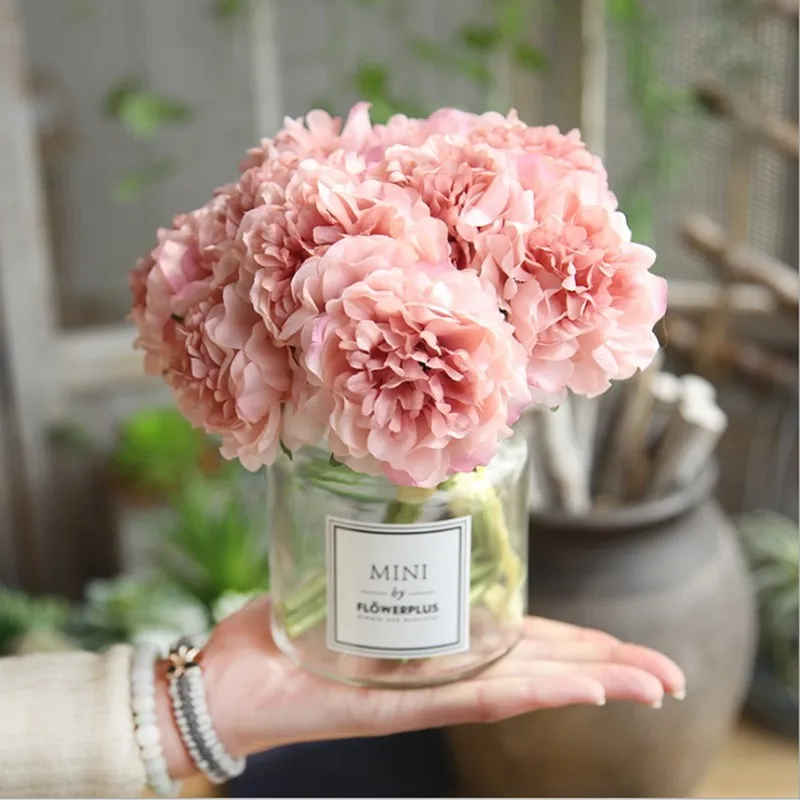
{"x": 324, "y": 278}
{"x": 174, "y": 275}
{"x": 466, "y": 186}
{"x": 228, "y": 377}
{"x": 452, "y": 121}
{"x": 527, "y": 145}
{"x": 319, "y": 135}
{"x": 583, "y": 304}
{"x": 424, "y": 374}
{"x": 322, "y": 205}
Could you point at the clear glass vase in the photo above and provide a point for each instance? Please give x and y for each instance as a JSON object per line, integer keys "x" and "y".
{"x": 381, "y": 585}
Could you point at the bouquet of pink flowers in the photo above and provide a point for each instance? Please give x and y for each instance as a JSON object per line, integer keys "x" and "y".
{"x": 402, "y": 291}
{"x": 396, "y": 296}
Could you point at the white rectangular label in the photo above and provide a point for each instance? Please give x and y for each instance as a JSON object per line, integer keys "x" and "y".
{"x": 398, "y": 591}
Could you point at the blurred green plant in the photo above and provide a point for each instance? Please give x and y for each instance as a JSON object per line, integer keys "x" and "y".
{"x": 142, "y": 114}
{"x": 22, "y": 616}
{"x": 158, "y": 451}
{"x": 773, "y": 550}
{"x": 468, "y": 54}
{"x": 218, "y": 543}
{"x": 228, "y": 9}
{"x": 126, "y": 609}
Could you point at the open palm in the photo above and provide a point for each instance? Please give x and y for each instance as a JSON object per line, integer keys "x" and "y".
{"x": 262, "y": 699}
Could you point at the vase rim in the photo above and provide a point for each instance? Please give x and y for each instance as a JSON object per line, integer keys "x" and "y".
{"x": 636, "y": 516}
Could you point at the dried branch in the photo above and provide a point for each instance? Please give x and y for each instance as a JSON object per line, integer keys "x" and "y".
{"x": 742, "y": 262}
{"x": 777, "y": 133}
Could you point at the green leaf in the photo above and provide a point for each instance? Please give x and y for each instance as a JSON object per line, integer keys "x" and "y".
{"x": 157, "y": 450}
{"x": 334, "y": 462}
{"x": 143, "y": 113}
{"x": 529, "y": 57}
{"x": 621, "y": 10}
{"x": 372, "y": 81}
{"x": 228, "y": 9}
{"x": 513, "y": 18}
{"x": 432, "y": 52}
{"x": 218, "y": 544}
{"x": 381, "y": 111}
{"x": 286, "y": 451}
{"x": 479, "y": 37}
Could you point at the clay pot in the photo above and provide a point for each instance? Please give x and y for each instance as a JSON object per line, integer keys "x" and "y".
{"x": 668, "y": 574}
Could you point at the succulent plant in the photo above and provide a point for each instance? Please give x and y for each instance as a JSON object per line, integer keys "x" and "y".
{"x": 773, "y": 549}
{"x": 22, "y": 617}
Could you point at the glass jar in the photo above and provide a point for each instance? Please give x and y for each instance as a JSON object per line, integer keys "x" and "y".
{"x": 382, "y": 585}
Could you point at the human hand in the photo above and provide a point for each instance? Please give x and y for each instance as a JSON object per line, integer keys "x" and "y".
{"x": 259, "y": 698}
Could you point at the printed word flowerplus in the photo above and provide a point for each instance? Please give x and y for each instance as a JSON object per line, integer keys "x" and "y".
{"x": 374, "y": 307}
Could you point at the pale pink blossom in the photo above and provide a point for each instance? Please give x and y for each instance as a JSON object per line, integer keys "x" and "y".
{"x": 424, "y": 374}
{"x": 323, "y": 278}
{"x": 466, "y": 186}
{"x": 322, "y": 205}
{"x": 452, "y": 121}
{"x": 584, "y": 303}
{"x": 228, "y": 377}
{"x": 528, "y": 145}
{"x": 177, "y": 271}
{"x": 319, "y": 135}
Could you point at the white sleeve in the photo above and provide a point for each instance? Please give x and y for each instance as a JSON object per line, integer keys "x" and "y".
{"x": 66, "y": 726}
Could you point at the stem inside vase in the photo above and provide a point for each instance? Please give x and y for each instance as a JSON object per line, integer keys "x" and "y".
{"x": 496, "y": 571}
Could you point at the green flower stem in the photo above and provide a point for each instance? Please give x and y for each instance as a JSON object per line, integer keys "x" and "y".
{"x": 306, "y": 617}
{"x": 472, "y": 495}
{"x": 495, "y": 571}
{"x": 307, "y": 594}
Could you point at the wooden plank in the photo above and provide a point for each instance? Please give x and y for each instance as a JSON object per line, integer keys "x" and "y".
{"x": 575, "y": 89}
{"x": 96, "y": 358}
{"x": 27, "y": 309}
{"x": 92, "y": 46}
{"x": 265, "y": 68}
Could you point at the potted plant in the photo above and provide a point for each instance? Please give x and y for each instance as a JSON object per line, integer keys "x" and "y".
{"x": 30, "y": 624}
{"x": 155, "y": 454}
{"x": 771, "y": 545}
{"x": 627, "y": 538}
{"x": 215, "y": 548}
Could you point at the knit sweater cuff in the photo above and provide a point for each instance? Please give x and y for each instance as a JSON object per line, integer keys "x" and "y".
{"x": 66, "y": 727}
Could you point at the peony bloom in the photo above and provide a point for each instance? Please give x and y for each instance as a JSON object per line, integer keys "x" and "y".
{"x": 583, "y": 303}
{"x": 526, "y": 145}
{"x": 228, "y": 377}
{"x": 424, "y": 374}
{"x": 320, "y": 135}
{"x": 404, "y": 290}
{"x": 468, "y": 187}
{"x": 324, "y": 278}
{"x": 452, "y": 121}
{"x": 322, "y": 204}
{"x": 176, "y": 272}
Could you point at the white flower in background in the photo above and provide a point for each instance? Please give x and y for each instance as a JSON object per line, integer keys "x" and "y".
{"x": 229, "y": 603}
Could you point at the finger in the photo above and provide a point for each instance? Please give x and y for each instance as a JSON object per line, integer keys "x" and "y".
{"x": 500, "y": 698}
{"x": 620, "y": 681}
{"x": 644, "y": 658}
{"x": 539, "y": 628}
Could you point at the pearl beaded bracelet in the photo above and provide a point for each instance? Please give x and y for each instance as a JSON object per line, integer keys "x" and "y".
{"x": 187, "y": 690}
{"x": 148, "y": 737}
